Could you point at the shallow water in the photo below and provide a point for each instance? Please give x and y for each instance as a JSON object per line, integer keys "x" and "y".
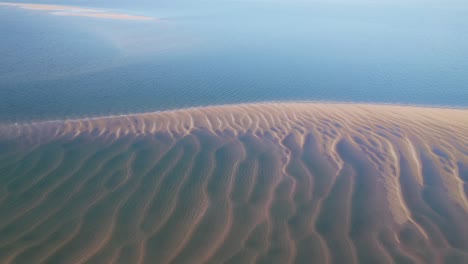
{"x": 56, "y": 67}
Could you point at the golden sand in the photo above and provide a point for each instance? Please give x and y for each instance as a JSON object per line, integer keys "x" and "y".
{"x": 63, "y": 10}
{"x": 249, "y": 183}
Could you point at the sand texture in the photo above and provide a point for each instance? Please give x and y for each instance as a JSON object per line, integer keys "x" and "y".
{"x": 250, "y": 183}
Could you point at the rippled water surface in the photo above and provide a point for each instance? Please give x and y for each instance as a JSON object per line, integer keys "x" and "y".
{"x": 208, "y": 52}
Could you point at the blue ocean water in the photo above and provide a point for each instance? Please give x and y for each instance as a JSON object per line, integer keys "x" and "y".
{"x": 207, "y": 52}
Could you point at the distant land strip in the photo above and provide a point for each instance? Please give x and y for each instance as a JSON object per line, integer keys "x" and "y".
{"x": 65, "y": 10}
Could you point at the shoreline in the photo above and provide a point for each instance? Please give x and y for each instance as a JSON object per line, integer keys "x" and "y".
{"x": 276, "y": 120}
{"x": 264, "y": 103}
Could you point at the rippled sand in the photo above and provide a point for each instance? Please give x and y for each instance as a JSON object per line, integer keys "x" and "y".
{"x": 252, "y": 183}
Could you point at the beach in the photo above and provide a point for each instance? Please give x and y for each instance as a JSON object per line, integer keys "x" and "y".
{"x": 292, "y": 182}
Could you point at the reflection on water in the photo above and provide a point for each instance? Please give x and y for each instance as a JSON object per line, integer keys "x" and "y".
{"x": 230, "y": 52}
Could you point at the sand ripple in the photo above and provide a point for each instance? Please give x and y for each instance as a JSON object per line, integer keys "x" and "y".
{"x": 251, "y": 183}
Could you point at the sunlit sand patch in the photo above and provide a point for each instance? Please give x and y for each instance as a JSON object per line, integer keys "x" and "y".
{"x": 248, "y": 183}
{"x": 63, "y": 10}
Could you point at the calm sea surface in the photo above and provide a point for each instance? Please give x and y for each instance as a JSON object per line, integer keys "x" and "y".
{"x": 219, "y": 52}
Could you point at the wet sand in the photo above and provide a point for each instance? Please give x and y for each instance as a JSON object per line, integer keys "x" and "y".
{"x": 250, "y": 183}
